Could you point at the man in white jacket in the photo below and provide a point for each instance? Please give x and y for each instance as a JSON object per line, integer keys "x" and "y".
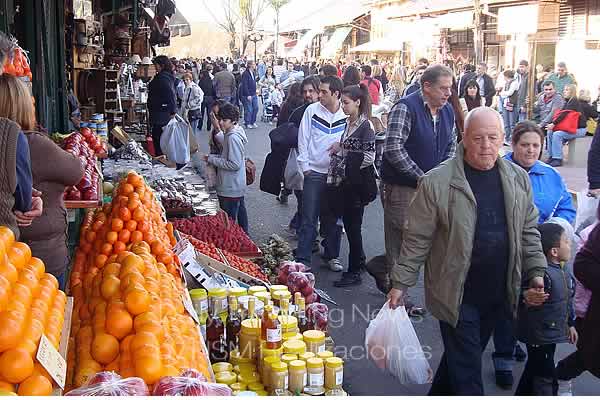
{"x": 322, "y": 125}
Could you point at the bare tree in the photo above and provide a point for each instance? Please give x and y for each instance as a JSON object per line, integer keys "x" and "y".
{"x": 228, "y": 22}
{"x": 250, "y": 12}
{"x": 277, "y": 5}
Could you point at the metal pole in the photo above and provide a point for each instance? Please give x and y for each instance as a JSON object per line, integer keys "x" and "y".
{"x": 277, "y": 32}
{"x": 477, "y": 32}
{"x": 255, "y": 49}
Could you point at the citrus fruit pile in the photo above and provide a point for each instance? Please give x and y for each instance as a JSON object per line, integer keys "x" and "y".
{"x": 30, "y": 305}
{"x": 128, "y": 310}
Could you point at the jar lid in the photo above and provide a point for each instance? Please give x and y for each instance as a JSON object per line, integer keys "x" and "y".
{"x": 238, "y": 386}
{"x": 293, "y": 336}
{"x": 236, "y": 358}
{"x": 271, "y": 352}
{"x": 334, "y": 362}
{"x": 314, "y": 336}
{"x": 252, "y": 290}
{"x": 248, "y": 377}
{"x": 226, "y": 378}
{"x": 218, "y": 291}
{"x": 314, "y": 363}
{"x": 251, "y": 327}
{"x": 281, "y": 294}
{"x": 222, "y": 367}
{"x": 256, "y": 386}
{"x": 279, "y": 367}
{"x": 198, "y": 293}
{"x": 263, "y": 296}
{"x": 271, "y": 360}
{"x": 325, "y": 354}
{"x": 288, "y": 322}
{"x": 307, "y": 356}
{"x": 294, "y": 347}
{"x": 276, "y": 288}
{"x": 287, "y": 358}
{"x": 244, "y": 368}
{"x": 237, "y": 292}
{"x": 297, "y": 365}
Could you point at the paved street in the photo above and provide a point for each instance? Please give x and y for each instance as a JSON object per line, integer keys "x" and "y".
{"x": 348, "y": 324}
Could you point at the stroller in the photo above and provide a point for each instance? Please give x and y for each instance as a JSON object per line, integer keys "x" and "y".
{"x": 267, "y": 107}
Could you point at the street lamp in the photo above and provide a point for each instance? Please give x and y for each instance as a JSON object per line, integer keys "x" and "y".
{"x": 255, "y": 37}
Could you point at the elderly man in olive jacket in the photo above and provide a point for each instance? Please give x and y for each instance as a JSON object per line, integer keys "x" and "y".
{"x": 472, "y": 224}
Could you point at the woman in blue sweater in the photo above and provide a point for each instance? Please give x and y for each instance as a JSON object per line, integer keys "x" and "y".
{"x": 552, "y": 199}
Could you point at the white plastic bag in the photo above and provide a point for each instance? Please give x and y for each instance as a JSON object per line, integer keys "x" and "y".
{"x": 587, "y": 210}
{"x": 174, "y": 141}
{"x": 393, "y": 345}
{"x": 293, "y": 177}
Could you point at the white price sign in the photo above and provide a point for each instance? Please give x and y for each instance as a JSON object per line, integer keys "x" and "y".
{"x": 52, "y": 361}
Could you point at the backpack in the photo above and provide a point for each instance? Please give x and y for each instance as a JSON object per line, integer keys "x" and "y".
{"x": 250, "y": 171}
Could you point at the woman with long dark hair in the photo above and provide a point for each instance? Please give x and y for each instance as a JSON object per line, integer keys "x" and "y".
{"x": 162, "y": 99}
{"x": 472, "y": 97}
{"x": 351, "y": 177}
{"x": 351, "y": 76}
{"x": 293, "y": 100}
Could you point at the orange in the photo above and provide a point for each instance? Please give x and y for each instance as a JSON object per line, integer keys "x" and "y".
{"x": 116, "y": 224}
{"x": 110, "y": 286}
{"x": 144, "y": 318}
{"x": 24, "y": 249}
{"x": 38, "y": 370}
{"x": 124, "y": 236}
{"x": 143, "y": 226}
{"x": 139, "y": 214}
{"x": 149, "y": 369}
{"x": 149, "y": 237}
{"x": 119, "y": 246}
{"x": 114, "y": 365}
{"x": 124, "y": 214}
{"x": 131, "y": 225}
{"x": 112, "y": 237}
{"x": 7, "y": 236}
{"x": 106, "y": 249}
{"x": 29, "y": 346}
{"x": 29, "y": 279}
{"x": 17, "y": 257}
{"x": 137, "y": 301}
{"x": 118, "y": 323}
{"x": 90, "y": 236}
{"x": 105, "y": 348}
{"x": 152, "y": 327}
{"x": 101, "y": 259}
{"x": 142, "y": 339}
{"x": 9, "y": 271}
{"x": 126, "y": 188}
{"x": 35, "y": 386}
{"x": 96, "y": 226}
{"x": 135, "y": 180}
{"x": 49, "y": 279}
{"x": 7, "y": 387}
{"x": 22, "y": 294}
{"x": 133, "y": 204}
{"x": 157, "y": 247}
{"x": 111, "y": 269}
{"x": 133, "y": 261}
{"x": 165, "y": 258}
{"x": 37, "y": 265}
{"x": 15, "y": 365}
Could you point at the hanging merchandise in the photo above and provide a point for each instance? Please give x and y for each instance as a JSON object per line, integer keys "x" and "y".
{"x": 17, "y": 62}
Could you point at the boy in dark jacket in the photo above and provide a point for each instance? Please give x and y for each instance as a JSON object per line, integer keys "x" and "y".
{"x": 547, "y": 318}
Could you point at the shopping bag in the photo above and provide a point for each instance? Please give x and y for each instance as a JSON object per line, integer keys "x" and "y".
{"x": 587, "y": 210}
{"x": 566, "y": 121}
{"x": 293, "y": 177}
{"x": 174, "y": 141}
{"x": 393, "y": 345}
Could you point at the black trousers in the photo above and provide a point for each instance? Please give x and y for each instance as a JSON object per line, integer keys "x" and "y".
{"x": 157, "y": 131}
{"x": 353, "y": 217}
{"x": 539, "y": 376}
{"x": 570, "y": 367}
{"x": 205, "y": 108}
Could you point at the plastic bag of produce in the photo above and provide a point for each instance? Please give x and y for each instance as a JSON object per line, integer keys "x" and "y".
{"x": 393, "y": 345}
{"x": 301, "y": 282}
{"x": 174, "y": 141}
{"x": 190, "y": 383}
{"x": 319, "y": 313}
{"x": 111, "y": 384}
{"x": 287, "y": 267}
{"x": 292, "y": 176}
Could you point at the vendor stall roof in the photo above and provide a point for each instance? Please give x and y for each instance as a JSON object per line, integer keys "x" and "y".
{"x": 330, "y": 13}
{"x": 384, "y": 45}
{"x": 179, "y": 25}
{"x": 335, "y": 42}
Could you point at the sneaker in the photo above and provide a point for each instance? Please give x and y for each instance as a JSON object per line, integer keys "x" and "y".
{"x": 283, "y": 199}
{"x": 504, "y": 379}
{"x": 565, "y": 388}
{"x": 555, "y": 162}
{"x": 520, "y": 354}
{"x": 254, "y": 126}
{"x": 335, "y": 265}
{"x": 348, "y": 279}
{"x": 247, "y": 127}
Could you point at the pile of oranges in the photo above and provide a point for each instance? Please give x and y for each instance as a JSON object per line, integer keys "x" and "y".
{"x": 128, "y": 310}
{"x": 30, "y": 305}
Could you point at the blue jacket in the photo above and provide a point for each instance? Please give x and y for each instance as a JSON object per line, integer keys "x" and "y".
{"x": 248, "y": 84}
{"x": 550, "y": 194}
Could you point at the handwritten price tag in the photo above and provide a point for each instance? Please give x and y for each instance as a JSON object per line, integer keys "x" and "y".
{"x": 185, "y": 251}
{"x": 52, "y": 361}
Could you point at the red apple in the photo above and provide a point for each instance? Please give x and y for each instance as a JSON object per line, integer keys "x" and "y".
{"x": 103, "y": 377}
{"x": 169, "y": 386}
{"x": 134, "y": 387}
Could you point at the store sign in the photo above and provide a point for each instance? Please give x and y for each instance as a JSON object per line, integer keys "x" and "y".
{"x": 52, "y": 361}
{"x": 518, "y": 19}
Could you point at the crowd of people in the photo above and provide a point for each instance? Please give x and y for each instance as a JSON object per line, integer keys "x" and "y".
{"x": 493, "y": 233}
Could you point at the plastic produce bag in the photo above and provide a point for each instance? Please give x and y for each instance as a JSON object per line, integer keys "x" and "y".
{"x": 174, "y": 141}
{"x": 188, "y": 384}
{"x": 393, "y": 345}
{"x": 111, "y": 384}
{"x": 286, "y": 268}
{"x": 292, "y": 176}
{"x": 319, "y": 313}
{"x": 587, "y": 210}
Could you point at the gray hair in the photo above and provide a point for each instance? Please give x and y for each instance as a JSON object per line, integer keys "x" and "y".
{"x": 483, "y": 64}
{"x": 562, "y": 64}
{"x": 480, "y": 110}
{"x": 433, "y": 74}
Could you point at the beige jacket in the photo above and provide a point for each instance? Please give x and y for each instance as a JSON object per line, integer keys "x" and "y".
{"x": 440, "y": 229}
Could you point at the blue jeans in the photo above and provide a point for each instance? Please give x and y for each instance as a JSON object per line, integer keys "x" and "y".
{"x": 555, "y": 141}
{"x": 522, "y": 116}
{"x": 504, "y": 343}
{"x": 297, "y": 219}
{"x": 510, "y": 120}
{"x": 62, "y": 280}
{"x": 314, "y": 204}
{"x": 236, "y": 209}
{"x": 459, "y": 372}
{"x": 250, "y": 109}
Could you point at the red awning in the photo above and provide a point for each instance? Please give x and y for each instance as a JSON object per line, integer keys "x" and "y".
{"x": 291, "y": 43}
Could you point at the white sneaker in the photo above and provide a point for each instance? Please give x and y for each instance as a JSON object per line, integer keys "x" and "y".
{"x": 254, "y": 126}
{"x": 335, "y": 265}
{"x": 565, "y": 388}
